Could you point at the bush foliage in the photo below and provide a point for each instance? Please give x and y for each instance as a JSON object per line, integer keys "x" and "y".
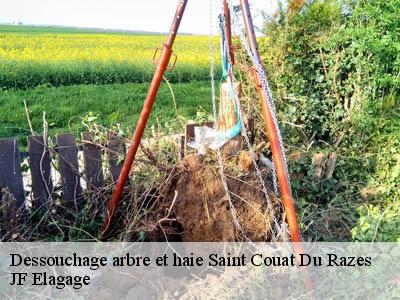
{"x": 335, "y": 69}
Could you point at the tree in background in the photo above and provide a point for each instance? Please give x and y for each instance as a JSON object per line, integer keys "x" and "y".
{"x": 294, "y": 7}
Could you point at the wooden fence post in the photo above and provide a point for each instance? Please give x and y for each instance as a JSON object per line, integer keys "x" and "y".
{"x": 40, "y": 165}
{"x": 116, "y": 154}
{"x": 93, "y": 162}
{"x": 69, "y": 169}
{"x": 10, "y": 170}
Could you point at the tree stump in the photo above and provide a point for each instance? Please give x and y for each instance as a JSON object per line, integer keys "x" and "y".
{"x": 227, "y": 119}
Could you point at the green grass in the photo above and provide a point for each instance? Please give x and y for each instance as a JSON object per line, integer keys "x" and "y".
{"x": 71, "y": 72}
{"x": 115, "y": 103}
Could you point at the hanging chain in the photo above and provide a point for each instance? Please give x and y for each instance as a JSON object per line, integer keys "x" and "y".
{"x": 271, "y": 105}
{"x": 270, "y": 102}
{"x": 277, "y": 229}
{"x": 214, "y": 106}
{"x": 250, "y": 148}
{"x": 265, "y": 88}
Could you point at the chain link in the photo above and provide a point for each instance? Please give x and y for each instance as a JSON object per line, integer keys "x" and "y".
{"x": 277, "y": 228}
{"x": 271, "y": 105}
{"x": 268, "y": 96}
{"x": 253, "y": 156}
{"x": 265, "y": 87}
{"x": 214, "y": 106}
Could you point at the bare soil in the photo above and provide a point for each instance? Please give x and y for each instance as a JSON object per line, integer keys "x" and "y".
{"x": 200, "y": 206}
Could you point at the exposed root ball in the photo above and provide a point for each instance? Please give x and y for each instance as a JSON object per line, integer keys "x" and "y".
{"x": 203, "y": 210}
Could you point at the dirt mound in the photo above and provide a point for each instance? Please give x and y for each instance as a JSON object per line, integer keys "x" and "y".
{"x": 201, "y": 206}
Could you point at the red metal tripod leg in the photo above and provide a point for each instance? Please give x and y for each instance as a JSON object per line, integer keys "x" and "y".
{"x": 227, "y": 14}
{"x": 272, "y": 131}
{"x": 144, "y": 115}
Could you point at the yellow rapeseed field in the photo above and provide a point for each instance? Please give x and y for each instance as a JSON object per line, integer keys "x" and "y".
{"x": 55, "y": 48}
{"x": 28, "y": 60}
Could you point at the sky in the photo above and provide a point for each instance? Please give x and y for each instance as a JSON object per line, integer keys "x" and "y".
{"x": 144, "y": 15}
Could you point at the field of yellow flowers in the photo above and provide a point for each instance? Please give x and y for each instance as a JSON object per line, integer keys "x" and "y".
{"x": 30, "y": 59}
{"x": 70, "y": 73}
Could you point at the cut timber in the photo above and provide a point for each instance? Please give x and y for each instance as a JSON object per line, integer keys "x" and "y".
{"x": 227, "y": 119}
{"x": 319, "y": 165}
{"x": 331, "y": 165}
{"x": 324, "y": 166}
{"x": 227, "y": 115}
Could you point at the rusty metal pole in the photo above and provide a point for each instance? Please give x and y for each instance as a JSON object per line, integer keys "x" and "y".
{"x": 227, "y": 14}
{"x": 272, "y": 131}
{"x": 144, "y": 115}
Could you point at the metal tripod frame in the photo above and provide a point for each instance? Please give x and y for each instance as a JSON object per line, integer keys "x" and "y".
{"x": 272, "y": 130}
